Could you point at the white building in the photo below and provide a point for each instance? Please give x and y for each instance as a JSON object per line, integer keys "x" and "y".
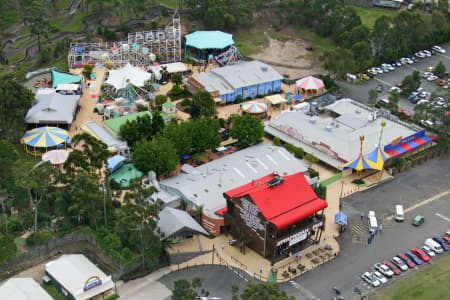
{"x": 23, "y": 289}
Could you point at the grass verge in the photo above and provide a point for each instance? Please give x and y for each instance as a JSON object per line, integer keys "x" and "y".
{"x": 170, "y": 3}
{"x": 276, "y": 35}
{"x": 316, "y": 40}
{"x": 369, "y": 15}
{"x": 250, "y": 42}
{"x": 53, "y": 292}
{"x": 430, "y": 283}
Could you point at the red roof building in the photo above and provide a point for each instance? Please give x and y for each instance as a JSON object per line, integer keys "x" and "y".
{"x": 274, "y": 215}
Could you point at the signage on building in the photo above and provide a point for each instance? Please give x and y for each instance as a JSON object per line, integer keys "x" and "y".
{"x": 92, "y": 282}
{"x": 318, "y": 225}
{"x": 396, "y": 141}
{"x": 402, "y": 140}
{"x": 249, "y": 214}
{"x": 295, "y": 238}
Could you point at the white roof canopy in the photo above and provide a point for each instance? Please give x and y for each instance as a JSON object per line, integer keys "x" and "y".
{"x": 23, "y": 289}
{"x": 176, "y": 67}
{"x": 67, "y": 87}
{"x": 135, "y": 75}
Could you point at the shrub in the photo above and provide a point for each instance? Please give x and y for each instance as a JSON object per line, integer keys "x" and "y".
{"x": 114, "y": 184}
{"x": 313, "y": 173}
{"x": 321, "y": 192}
{"x": 14, "y": 225}
{"x": 112, "y": 297}
{"x": 185, "y": 103}
{"x": 289, "y": 147}
{"x": 299, "y": 152}
{"x": 176, "y": 92}
{"x": 276, "y": 141}
{"x": 398, "y": 162}
{"x": 116, "y": 204}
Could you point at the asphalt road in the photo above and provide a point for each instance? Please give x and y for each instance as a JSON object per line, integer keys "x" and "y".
{"x": 360, "y": 92}
{"x": 408, "y": 188}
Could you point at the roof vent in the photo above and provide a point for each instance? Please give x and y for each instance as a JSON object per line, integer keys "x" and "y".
{"x": 276, "y": 180}
{"x": 206, "y": 190}
{"x": 195, "y": 195}
{"x": 312, "y": 121}
{"x": 264, "y": 69}
{"x": 328, "y": 128}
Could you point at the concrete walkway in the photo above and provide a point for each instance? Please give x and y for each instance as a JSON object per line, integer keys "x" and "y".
{"x": 145, "y": 288}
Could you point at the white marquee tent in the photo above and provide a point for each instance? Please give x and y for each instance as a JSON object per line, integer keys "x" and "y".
{"x": 136, "y": 76}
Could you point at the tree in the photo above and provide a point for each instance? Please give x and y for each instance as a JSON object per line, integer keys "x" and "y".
{"x": 45, "y": 55}
{"x": 180, "y": 135}
{"x": 184, "y": 290}
{"x": 36, "y": 18}
{"x": 176, "y": 78}
{"x": 440, "y": 70}
{"x": 8, "y": 157}
{"x": 373, "y": 95}
{"x": 164, "y": 73}
{"x": 202, "y": 104}
{"x": 8, "y": 248}
{"x": 264, "y": 291}
{"x": 408, "y": 85}
{"x": 339, "y": 60}
{"x": 158, "y": 155}
{"x": 311, "y": 159}
{"x": 248, "y": 130}
{"x": 87, "y": 71}
{"x": 15, "y": 100}
{"x": 205, "y": 134}
{"x": 176, "y": 92}
{"x": 159, "y": 101}
{"x": 394, "y": 97}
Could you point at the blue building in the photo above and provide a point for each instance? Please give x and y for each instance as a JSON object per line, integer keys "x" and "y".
{"x": 244, "y": 80}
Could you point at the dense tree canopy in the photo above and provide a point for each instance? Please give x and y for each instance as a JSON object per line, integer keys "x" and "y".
{"x": 144, "y": 127}
{"x": 264, "y": 291}
{"x": 202, "y": 104}
{"x": 205, "y": 134}
{"x": 248, "y": 130}
{"x": 15, "y": 100}
{"x": 158, "y": 155}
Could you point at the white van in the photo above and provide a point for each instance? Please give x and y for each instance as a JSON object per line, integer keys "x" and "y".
{"x": 434, "y": 246}
{"x": 399, "y": 215}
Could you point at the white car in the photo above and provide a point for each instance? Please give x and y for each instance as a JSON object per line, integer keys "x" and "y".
{"x": 383, "y": 269}
{"x": 422, "y": 101}
{"x": 419, "y": 55}
{"x": 427, "y": 74}
{"x": 426, "y": 122}
{"x": 432, "y": 78}
{"x": 380, "y": 277}
{"x": 399, "y": 64}
{"x": 388, "y": 66}
{"x": 399, "y": 263}
{"x": 367, "y": 277}
{"x": 395, "y": 88}
{"x": 427, "y": 53}
{"x": 379, "y": 70}
{"x": 428, "y": 251}
{"x": 438, "y": 49}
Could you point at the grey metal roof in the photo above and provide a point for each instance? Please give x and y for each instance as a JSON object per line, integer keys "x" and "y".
{"x": 23, "y": 289}
{"x": 173, "y": 222}
{"x": 229, "y": 78}
{"x": 52, "y": 107}
{"x": 72, "y": 271}
{"x": 231, "y": 171}
{"x": 341, "y": 134}
{"x": 104, "y": 135}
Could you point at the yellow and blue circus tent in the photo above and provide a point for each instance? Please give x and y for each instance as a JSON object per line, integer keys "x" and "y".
{"x": 44, "y": 137}
{"x": 377, "y": 157}
{"x": 360, "y": 163}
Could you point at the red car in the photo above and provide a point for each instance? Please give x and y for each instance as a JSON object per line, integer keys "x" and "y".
{"x": 407, "y": 260}
{"x": 421, "y": 254}
{"x": 393, "y": 267}
{"x": 447, "y": 239}
{"x": 404, "y": 113}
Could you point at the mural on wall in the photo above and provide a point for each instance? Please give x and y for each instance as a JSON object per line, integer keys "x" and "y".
{"x": 249, "y": 214}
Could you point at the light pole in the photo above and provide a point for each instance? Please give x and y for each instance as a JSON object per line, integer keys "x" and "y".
{"x": 374, "y": 261}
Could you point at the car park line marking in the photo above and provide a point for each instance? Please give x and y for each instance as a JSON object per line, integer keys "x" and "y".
{"x": 303, "y": 291}
{"x": 448, "y": 57}
{"x": 385, "y": 82}
{"x": 426, "y": 201}
{"x": 442, "y": 217}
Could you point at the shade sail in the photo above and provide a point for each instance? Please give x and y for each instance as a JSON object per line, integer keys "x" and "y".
{"x": 310, "y": 83}
{"x": 254, "y": 107}
{"x": 209, "y": 40}
{"x": 56, "y": 157}
{"x": 63, "y": 78}
{"x": 275, "y": 99}
{"x": 45, "y": 137}
{"x": 128, "y": 74}
{"x": 378, "y": 157}
{"x": 114, "y": 162}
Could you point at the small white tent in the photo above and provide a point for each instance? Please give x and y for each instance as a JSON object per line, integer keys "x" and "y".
{"x": 136, "y": 76}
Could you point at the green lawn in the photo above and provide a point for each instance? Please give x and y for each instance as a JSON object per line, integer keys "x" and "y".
{"x": 280, "y": 36}
{"x": 63, "y": 4}
{"x": 430, "y": 283}
{"x": 170, "y": 3}
{"x": 76, "y": 25}
{"x": 19, "y": 243}
{"x": 368, "y": 15}
{"x": 250, "y": 42}
{"x": 316, "y": 40}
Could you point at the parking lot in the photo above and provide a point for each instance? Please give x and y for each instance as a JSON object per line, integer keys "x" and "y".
{"x": 360, "y": 92}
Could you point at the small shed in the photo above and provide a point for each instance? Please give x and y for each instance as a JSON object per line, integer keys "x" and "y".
{"x": 178, "y": 223}
{"x": 169, "y": 108}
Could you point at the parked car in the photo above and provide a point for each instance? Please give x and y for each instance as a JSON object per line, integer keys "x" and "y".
{"x": 367, "y": 277}
{"x": 446, "y": 238}
{"x": 438, "y": 49}
{"x": 421, "y": 254}
{"x": 383, "y": 269}
{"x": 436, "y": 247}
{"x": 414, "y": 258}
{"x": 426, "y": 52}
{"x": 442, "y": 82}
{"x": 420, "y": 55}
{"x": 412, "y": 97}
{"x": 442, "y": 242}
{"x": 404, "y": 112}
{"x": 433, "y": 53}
{"x": 432, "y": 78}
{"x": 427, "y": 74}
{"x": 428, "y": 251}
{"x": 379, "y": 88}
{"x": 427, "y": 123}
{"x": 408, "y": 261}
{"x": 413, "y": 58}
{"x": 419, "y": 219}
{"x": 399, "y": 263}
{"x": 395, "y": 88}
{"x": 398, "y": 63}
{"x": 379, "y": 70}
{"x": 380, "y": 277}
{"x": 393, "y": 267}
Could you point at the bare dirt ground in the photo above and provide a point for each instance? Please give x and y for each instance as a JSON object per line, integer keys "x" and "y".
{"x": 290, "y": 57}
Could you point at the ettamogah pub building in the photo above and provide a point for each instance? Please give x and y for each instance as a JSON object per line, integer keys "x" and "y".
{"x": 274, "y": 215}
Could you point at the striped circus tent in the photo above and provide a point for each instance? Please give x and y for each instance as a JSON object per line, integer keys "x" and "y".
{"x": 44, "y": 137}
{"x": 56, "y": 157}
{"x": 254, "y": 107}
{"x": 360, "y": 163}
{"x": 377, "y": 157}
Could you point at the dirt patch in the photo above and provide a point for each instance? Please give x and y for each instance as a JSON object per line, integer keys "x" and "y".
{"x": 290, "y": 57}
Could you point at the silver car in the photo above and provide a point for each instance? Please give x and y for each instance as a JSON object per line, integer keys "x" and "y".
{"x": 383, "y": 269}
{"x": 380, "y": 277}
{"x": 428, "y": 251}
{"x": 367, "y": 277}
{"x": 399, "y": 263}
